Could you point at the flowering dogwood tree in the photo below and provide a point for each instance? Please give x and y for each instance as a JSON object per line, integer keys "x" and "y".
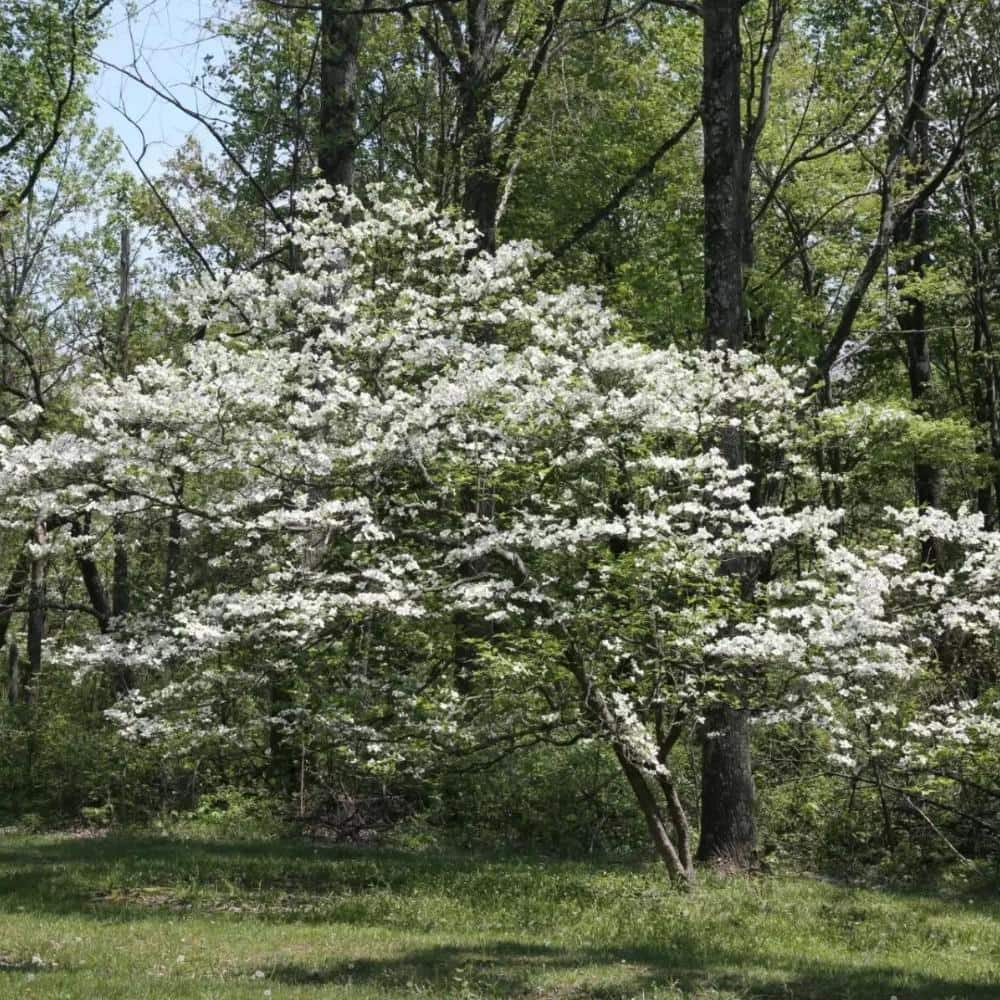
{"x": 402, "y": 435}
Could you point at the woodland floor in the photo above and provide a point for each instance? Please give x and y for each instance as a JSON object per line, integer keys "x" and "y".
{"x": 136, "y": 918}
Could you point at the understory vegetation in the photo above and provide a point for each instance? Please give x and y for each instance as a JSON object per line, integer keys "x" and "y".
{"x": 567, "y": 804}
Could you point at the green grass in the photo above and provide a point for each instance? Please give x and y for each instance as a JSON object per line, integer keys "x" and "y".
{"x": 135, "y": 918}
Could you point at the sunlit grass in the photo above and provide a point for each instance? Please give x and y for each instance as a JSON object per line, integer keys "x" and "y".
{"x": 136, "y": 918}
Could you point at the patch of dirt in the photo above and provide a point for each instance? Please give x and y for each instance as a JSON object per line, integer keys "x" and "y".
{"x": 34, "y": 964}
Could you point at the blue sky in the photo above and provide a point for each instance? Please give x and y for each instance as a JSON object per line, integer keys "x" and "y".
{"x": 166, "y": 42}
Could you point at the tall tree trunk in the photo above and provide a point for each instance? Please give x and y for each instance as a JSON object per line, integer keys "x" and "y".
{"x": 728, "y": 830}
{"x": 481, "y": 189}
{"x": 172, "y": 562}
{"x": 986, "y": 385}
{"x": 340, "y": 44}
{"x": 19, "y": 576}
{"x": 91, "y": 576}
{"x": 481, "y": 194}
{"x": 727, "y": 823}
{"x": 913, "y": 321}
{"x": 722, "y": 178}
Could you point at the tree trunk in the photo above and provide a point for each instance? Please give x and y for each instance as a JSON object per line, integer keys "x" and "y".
{"x": 722, "y": 178}
{"x": 986, "y": 384}
{"x": 727, "y": 790}
{"x": 476, "y": 81}
{"x": 481, "y": 192}
{"x": 13, "y": 674}
{"x": 727, "y": 824}
{"x": 645, "y": 777}
{"x": 340, "y": 43}
{"x": 913, "y": 322}
{"x": 91, "y": 577}
{"x": 481, "y": 180}
{"x": 36, "y": 615}
{"x": 676, "y": 856}
{"x": 106, "y": 611}
{"x": 19, "y": 577}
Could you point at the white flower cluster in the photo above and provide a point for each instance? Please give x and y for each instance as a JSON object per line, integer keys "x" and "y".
{"x": 401, "y": 430}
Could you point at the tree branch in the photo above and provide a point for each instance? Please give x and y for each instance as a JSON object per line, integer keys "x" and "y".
{"x": 644, "y": 170}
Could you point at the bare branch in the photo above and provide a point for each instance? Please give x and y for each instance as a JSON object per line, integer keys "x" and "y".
{"x": 644, "y": 170}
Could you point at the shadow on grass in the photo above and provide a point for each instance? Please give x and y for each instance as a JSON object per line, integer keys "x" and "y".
{"x": 115, "y": 877}
{"x": 515, "y": 969}
{"x": 133, "y": 879}
{"x": 70, "y": 875}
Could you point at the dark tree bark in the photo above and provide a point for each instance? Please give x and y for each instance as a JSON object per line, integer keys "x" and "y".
{"x": 105, "y": 610}
{"x": 92, "y": 582}
{"x": 913, "y": 322}
{"x": 18, "y": 580}
{"x": 13, "y": 674}
{"x": 728, "y": 829}
{"x": 340, "y": 44}
{"x": 475, "y": 55}
{"x": 481, "y": 190}
{"x": 8, "y": 602}
{"x": 727, "y": 822}
{"x": 986, "y": 385}
{"x": 121, "y": 591}
{"x": 722, "y": 178}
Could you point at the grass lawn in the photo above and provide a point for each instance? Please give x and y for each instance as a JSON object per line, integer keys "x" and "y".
{"x": 133, "y": 918}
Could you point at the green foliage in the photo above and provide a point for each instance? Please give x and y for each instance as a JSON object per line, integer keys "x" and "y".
{"x": 879, "y": 441}
{"x": 64, "y": 765}
{"x": 46, "y": 49}
{"x": 564, "y": 801}
{"x": 226, "y": 813}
